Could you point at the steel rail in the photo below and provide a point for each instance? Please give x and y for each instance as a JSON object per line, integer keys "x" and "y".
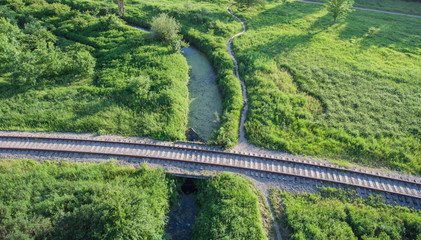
{"x": 286, "y": 160}
{"x": 208, "y": 164}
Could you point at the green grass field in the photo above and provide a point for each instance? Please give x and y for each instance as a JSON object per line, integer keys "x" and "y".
{"x": 350, "y": 90}
{"x": 205, "y": 25}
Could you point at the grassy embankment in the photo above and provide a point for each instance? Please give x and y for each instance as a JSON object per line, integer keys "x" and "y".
{"x": 204, "y": 24}
{"x": 75, "y": 71}
{"x": 60, "y": 200}
{"x": 348, "y": 91}
{"x": 338, "y": 214}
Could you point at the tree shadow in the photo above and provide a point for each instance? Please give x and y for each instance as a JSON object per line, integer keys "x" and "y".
{"x": 321, "y": 24}
{"x": 280, "y": 14}
{"x": 287, "y": 42}
{"x": 93, "y": 109}
{"x": 287, "y": 14}
{"x": 283, "y": 43}
{"x": 10, "y": 90}
{"x": 396, "y": 32}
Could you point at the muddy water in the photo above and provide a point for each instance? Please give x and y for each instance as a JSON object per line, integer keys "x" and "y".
{"x": 206, "y": 100}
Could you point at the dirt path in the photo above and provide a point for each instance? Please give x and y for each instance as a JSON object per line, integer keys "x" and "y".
{"x": 368, "y": 9}
{"x": 242, "y": 145}
{"x": 242, "y": 138}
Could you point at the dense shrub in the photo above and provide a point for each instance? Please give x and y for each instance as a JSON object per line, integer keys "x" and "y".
{"x": 165, "y": 28}
{"x": 228, "y": 210}
{"x": 341, "y": 214}
{"x": 31, "y": 57}
{"x": 59, "y": 200}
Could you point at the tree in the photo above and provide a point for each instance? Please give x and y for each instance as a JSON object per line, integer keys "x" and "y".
{"x": 339, "y": 8}
{"x": 165, "y": 28}
{"x": 121, "y": 8}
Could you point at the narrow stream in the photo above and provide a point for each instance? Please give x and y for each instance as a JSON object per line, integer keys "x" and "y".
{"x": 205, "y": 98}
{"x": 183, "y": 216}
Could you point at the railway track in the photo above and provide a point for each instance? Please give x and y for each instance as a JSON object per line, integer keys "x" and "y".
{"x": 252, "y": 164}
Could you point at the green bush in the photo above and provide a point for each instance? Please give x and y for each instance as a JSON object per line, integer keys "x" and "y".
{"x": 59, "y": 200}
{"x": 31, "y": 57}
{"x": 228, "y": 210}
{"x": 342, "y": 214}
{"x": 165, "y": 28}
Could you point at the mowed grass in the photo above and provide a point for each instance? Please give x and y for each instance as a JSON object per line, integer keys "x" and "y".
{"x": 351, "y": 90}
{"x": 402, "y": 6}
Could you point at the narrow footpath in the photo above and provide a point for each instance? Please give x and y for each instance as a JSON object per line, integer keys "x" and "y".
{"x": 367, "y": 9}
{"x": 242, "y": 145}
{"x": 242, "y": 138}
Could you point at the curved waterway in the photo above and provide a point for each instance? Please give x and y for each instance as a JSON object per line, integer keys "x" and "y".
{"x": 205, "y": 98}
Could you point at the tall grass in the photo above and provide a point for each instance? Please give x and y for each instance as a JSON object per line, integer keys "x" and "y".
{"x": 228, "y": 209}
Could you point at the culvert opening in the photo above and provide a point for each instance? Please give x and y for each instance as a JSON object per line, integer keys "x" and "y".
{"x": 189, "y": 186}
{"x": 183, "y": 216}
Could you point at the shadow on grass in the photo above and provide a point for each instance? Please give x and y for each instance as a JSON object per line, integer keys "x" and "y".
{"x": 10, "y": 90}
{"x": 281, "y": 13}
{"x": 394, "y": 32}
